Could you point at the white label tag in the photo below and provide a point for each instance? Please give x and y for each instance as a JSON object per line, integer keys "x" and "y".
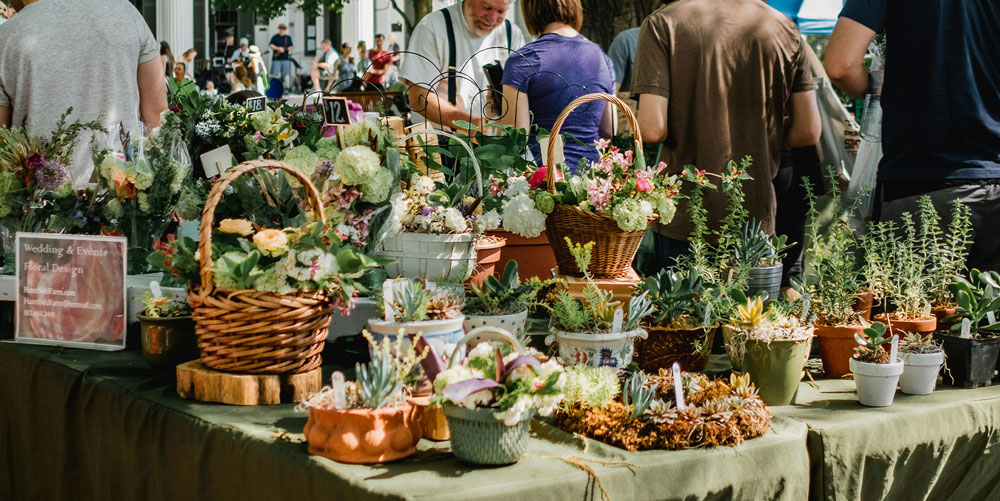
{"x": 706, "y": 322}
{"x": 991, "y": 318}
{"x": 388, "y": 289}
{"x": 678, "y": 387}
{"x": 966, "y": 328}
{"x": 619, "y": 319}
{"x": 339, "y": 396}
{"x": 217, "y": 161}
{"x": 894, "y": 349}
{"x": 154, "y": 287}
{"x": 805, "y": 307}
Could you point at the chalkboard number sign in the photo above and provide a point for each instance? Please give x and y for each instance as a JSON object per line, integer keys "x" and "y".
{"x": 255, "y": 104}
{"x": 335, "y": 110}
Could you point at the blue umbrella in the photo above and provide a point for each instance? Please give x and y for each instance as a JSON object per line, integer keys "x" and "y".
{"x": 814, "y": 17}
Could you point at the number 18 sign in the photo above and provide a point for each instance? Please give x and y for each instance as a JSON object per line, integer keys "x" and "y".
{"x": 71, "y": 290}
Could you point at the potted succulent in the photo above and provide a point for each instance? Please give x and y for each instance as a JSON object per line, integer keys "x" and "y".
{"x": 369, "y": 420}
{"x": 922, "y": 361}
{"x": 896, "y": 267}
{"x": 677, "y": 327}
{"x": 414, "y": 306}
{"x": 762, "y": 254}
{"x": 167, "y": 331}
{"x": 771, "y": 345}
{"x": 593, "y": 330}
{"x": 832, "y": 280}
{"x": 971, "y": 345}
{"x": 949, "y": 252}
{"x": 500, "y": 302}
{"x": 490, "y": 396}
{"x": 876, "y": 373}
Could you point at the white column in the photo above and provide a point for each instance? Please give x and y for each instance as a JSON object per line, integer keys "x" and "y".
{"x": 357, "y": 22}
{"x": 175, "y": 24}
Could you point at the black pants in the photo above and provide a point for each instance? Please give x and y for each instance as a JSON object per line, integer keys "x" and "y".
{"x": 790, "y": 217}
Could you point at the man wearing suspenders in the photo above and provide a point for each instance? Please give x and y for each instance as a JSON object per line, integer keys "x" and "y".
{"x": 445, "y": 73}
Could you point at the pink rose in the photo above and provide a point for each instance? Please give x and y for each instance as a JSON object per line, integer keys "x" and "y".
{"x": 643, "y": 184}
{"x": 540, "y": 176}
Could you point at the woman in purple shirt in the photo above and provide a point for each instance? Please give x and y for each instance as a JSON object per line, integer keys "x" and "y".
{"x": 541, "y": 78}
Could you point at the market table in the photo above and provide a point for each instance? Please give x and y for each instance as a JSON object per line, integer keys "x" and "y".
{"x": 76, "y": 424}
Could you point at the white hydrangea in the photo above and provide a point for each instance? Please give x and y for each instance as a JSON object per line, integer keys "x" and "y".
{"x": 400, "y": 206}
{"x": 422, "y": 184}
{"x": 484, "y": 397}
{"x": 646, "y": 209}
{"x": 378, "y": 187}
{"x": 482, "y": 350}
{"x": 356, "y": 165}
{"x": 517, "y": 412}
{"x": 454, "y": 375}
{"x": 520, "y": 216}
{"x": 517, "y": 185}
{"x": 454, "y": 221}
{"x": 488, "y": 221}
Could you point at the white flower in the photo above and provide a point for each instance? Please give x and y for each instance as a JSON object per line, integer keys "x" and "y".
{"x": 422, "y": 184}
{"x": 488, "y": 221}
{"x": 484, "y": 397}
{"x": 516, "y": 185}
{"x": 377, "y": 188}
{"x": 400, "y": 206}
{"x": 520, "y": 216}
{"x": 454, "y": 375}
{"x": 547, "y": 404}
{"x": 482, "y": 350}
{"x": 454, "y": 221}
{"x": 522, "y": 372}
{"x": 356, "y": 165}
{"x": 516, "y": 413}
{"x": 646, "y": 208}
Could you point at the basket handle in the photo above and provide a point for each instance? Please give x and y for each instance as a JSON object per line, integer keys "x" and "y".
{"x": 475, "y": 163}
{"x": 501, "y": 333}
{"x": 574, "y": 104}
{"x": 208, "y": 213}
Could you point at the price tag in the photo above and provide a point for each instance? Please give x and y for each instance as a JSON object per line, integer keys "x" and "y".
{"x": 335, "y": 111}
{"x": 339, "y": 396}
{"x": 991, "y": 318}
{"x": 894, "y": 349}
{"x": 678, "y": 387}
{"x": 619, "y": 318}
{"x": 154, "y": 287}
{"x": 966, "y": 328}
{"x": 255, "y": 104}
{"x": 216, "y": 162}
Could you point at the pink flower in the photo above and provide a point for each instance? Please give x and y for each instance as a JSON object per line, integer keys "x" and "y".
{"x": 343, "y": 307}
{"x": 601, "y": 144}
{"x": 540, "y": 175}
{"x": 606, "y": 165}
{"x": 660, "y": 167}
{"x": 628, "y": 157}
{"x": 643, "y": 181}
{"x": 257, "y": 136}
{"x": 599, "y": 192}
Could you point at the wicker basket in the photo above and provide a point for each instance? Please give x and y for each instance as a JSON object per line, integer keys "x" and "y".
{"x": 249, "y": 331}
{"x": 614, "y": 249}
{"x": 665, "y": 346}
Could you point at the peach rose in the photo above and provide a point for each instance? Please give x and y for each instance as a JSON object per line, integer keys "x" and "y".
{"x": 271, "y": 242}
{"x": 240, "y": 227}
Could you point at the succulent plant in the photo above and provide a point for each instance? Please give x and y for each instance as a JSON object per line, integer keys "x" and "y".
{"x": 674, "y": 295}
{"x": 377, "y": 381}
{"x": 917, "y": 343}
{"x": 638, "y": 393}
{"x": 870, "y": 350}
{"x": 975, "y": 299}
{"x": 500, "y": 296}
{"x": 411, "y": 301}
{"x": 751, "y": 313}
{"x": 754, "y": 248}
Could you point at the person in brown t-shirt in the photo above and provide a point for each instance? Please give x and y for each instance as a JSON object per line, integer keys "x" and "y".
{"x": 719, "y": 80}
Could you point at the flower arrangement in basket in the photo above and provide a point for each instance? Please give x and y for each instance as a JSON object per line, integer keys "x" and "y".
{"x": 36, "y": 186}
{"x": 611, "y": 204}
{"x": 594, "y": 330}
{"x": 276, "y": 288}
{"x": 490, "y": 396}
{"x": 641, "y": 412}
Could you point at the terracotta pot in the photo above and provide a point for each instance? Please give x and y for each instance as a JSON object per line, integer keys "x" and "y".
{"x": 487, "y": 256}
{"x": 863, "y": 304}
{"x": 900, "y": 328}
{"x": 664, "y": 346}
{"x": 836, "y": 347}
{"x": 432, "y": 422}
{"x": 533, "y": 255}
{"x": 941, "y": 313}
{"x": 363, "y": 436}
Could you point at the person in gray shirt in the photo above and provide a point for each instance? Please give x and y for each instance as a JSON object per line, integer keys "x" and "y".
{"x": 105, "y": 66}
{"x": 622, "y": 54}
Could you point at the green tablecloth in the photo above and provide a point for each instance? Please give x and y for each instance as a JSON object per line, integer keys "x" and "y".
{"x": 90, "y": 425}
{"x": 938, "y": 446}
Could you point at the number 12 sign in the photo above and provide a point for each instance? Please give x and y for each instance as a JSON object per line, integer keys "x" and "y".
{"x": 335, "y": 110}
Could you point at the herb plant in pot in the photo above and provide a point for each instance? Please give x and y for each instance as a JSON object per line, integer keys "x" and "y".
{"x": 762, "y": 254}
{"x": 414, "y": 306}
{"x": 490, "y": 397}
{"x": 875, "y": 372}
{"x": 499, "y": 302}
{"x": 972, "y": 345}
{"x": 771, "y": 345}
{"x": 369, "y": 420}
{"x": 832, "y": 280}
{"x": 922, "y": 361}
{"x": 949, "y": 252}
{"x": 677, "y": 327}
{"x": 593, "y": 330}
{"x": 167, "y": 332}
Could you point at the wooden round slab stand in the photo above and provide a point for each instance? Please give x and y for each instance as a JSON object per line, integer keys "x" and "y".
{"x": 196, "y": 381}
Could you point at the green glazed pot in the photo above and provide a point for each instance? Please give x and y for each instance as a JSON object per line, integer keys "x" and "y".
{"x": 776, "y": 369}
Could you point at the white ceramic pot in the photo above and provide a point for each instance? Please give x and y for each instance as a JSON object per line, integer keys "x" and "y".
{"x": 421, "y": 255}
{"x": 443, "y": 335}
{"x": 595, "y": 350}
{"x": 920, "y": 372}
{"x": 355, "y": 321}
{"x": 876, "y": 383}
{"x": 137, "y": 285}
{"x": 513, "y": 323}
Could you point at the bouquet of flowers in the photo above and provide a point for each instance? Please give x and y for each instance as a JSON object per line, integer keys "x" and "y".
{"x": 307, "y": 258}
{"x": 433, "y": 207}
{"x": 144, "y": 178}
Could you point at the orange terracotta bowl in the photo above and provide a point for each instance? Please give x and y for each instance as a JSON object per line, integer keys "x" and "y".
{"x": 363, "y": 436}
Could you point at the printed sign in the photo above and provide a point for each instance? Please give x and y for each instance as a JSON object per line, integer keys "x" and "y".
{"x": 217, "y": 161}
{"x": 255, "y": 104}
{"x": 335, "y": 111}
{"x": 71, "y": 290}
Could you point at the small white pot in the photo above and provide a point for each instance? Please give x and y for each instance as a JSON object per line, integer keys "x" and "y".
{"x": 355, "y": 321}
{"x": 513, "y": 322}
{"x": 443, "y": 335}
{"x": 433, "y": 257}
{"x": 920, "y": 372}
{"x": 876, "y": 383}
{"x": 595, "y": 350}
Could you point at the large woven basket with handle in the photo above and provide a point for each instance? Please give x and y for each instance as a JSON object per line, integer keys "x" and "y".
{"x": 250, "y": 331}
{"x": 614, "y": 249}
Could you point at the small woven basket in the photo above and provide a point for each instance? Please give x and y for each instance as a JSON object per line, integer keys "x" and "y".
{"x": 249, "y": 331}
{"x": 665, "y": 346}
{"x": 614, "y": 249}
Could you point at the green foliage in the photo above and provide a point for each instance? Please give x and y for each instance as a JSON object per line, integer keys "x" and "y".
{"x": 755, "y": 248}
{"x": 501, "y": 296}
{"x": 270, "y": 9}
{"x": 377, "y": 381}
{"x": 595, "y": 387}
{"x": 238, "y": 269}
{"x": 896, "y": 264}
{"x": 947, "y": 253}
{"x": 975, "y": 299}
{"x": 870, "y": 350}
{"x": 410, "y": 300}
{"x": 675, "y": 296}
{"x": 638, "y": 394}
{"x": 596, "y": 311}
{"x": 162, "y": 307}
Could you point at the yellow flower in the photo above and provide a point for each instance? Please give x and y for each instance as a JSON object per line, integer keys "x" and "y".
{"x": 271, "y": 242}
{"x": 240, "y": 227}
